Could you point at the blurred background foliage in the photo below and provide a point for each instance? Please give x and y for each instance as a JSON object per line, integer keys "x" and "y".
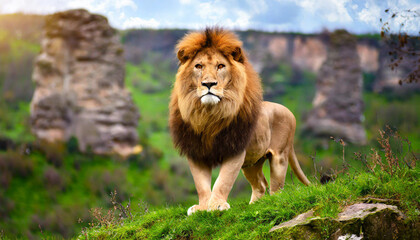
{"x": 48, "y": 189}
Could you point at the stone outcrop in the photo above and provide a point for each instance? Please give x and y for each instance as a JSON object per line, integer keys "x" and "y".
{"x": 358, "y": 221}
{"x": 337, "y": 105}
{"x": 387, "y": 79}
{"x": 309, "y": 53}
{"x": 305, "y": 52}
{"x": 79, "y": 77}
{"x": 369, "y": 57}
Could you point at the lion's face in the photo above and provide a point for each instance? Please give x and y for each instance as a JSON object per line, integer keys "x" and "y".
{"x": 210, "y": 85}
{"x": 210, "y": 74}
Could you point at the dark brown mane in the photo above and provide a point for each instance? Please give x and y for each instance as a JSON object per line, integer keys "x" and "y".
{"x": 229, "y": 142}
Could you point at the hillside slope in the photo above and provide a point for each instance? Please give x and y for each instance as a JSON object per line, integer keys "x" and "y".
{"x": 254, "y": 221}
{"x": 388, "y": 176}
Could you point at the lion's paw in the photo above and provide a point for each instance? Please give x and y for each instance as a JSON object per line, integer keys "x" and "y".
{"x": 194, "y": 209}
{"x": 221, "y": 206}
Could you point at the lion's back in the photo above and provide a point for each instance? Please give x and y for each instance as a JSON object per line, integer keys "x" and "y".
{"x": 279, "y": 114}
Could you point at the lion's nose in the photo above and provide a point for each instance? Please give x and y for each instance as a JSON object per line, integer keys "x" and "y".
{"x": 208, "y": 84}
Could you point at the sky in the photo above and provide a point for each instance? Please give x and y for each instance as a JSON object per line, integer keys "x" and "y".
{"x": 306, "y": 16}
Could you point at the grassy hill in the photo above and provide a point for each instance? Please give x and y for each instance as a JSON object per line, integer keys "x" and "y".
{"x": 243, "y": 221}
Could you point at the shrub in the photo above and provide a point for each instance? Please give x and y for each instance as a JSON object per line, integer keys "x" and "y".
{"x": 386, "y": 160}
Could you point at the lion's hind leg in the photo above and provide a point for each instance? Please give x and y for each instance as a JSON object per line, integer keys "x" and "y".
{"x": 278, "y": 170}
{"x": 255, "y": 177}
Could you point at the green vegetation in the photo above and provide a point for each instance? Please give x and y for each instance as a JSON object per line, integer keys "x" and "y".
{"x": 14, "y": 122}
{"x": 18, "y": 49}
{"x": 46, "y": 188}
{"x": 370, "y": 36}
{"x": 390, "y": 172}
{"x": 254, "y": 221}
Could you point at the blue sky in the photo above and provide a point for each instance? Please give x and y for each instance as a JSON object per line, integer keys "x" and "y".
{"x": 308, "y": 16}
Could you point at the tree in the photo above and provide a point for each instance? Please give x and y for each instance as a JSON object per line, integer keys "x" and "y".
{"x": 404, "y": 44}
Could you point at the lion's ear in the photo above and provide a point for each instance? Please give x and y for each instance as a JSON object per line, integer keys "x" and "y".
{"x": 237, "y": 55}
{"x": 182, "y": 56}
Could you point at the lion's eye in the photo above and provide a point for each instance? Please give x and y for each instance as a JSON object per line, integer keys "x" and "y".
{"x": 198, "y": 66}
{"x": 220, "y": 66}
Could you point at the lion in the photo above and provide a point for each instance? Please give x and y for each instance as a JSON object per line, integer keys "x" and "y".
{"x": 217, "y": 117}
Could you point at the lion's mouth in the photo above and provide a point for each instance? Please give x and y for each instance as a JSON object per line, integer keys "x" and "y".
{"x": 210, "y": 93}
{"x": 210, "y": 98}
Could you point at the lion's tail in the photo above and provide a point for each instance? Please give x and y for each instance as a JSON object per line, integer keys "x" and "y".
{"x": 293, "y": 161}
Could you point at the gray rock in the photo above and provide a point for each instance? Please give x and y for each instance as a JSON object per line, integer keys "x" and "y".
{"x": 338, "y": 104}
{"x": 301, "y": 219}
{"x": 79, "y": 77}
{"x": 358, "y": 221}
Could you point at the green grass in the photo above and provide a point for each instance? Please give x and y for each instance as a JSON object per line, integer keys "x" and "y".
{"x": 14, "y": 122}
{"x": 150, "y": 90}
{"x": 253, "y": 221}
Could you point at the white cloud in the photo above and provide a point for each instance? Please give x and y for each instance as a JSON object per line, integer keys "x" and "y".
{"x": 136, "y": 22}
{"x": 185, "y": 1}
{"x": 125, "y": 3}
{"x": 115, "y": 11}
{"x": 219, "y": 12}
{"x": 35, "y": 6}
{"x": 50, "y": 6}
{"x": 410, "y": 19}
{"x": 370, "y": 14}
{"x": 334, "y": 11}
{"x": 211, "y": 11}
{"x": 257, "y": 6}
{"x": 241, "y": 22}
{"x": 101, "y": 6}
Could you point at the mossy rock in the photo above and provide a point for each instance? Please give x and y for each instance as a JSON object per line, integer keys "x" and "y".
{"x": 358, "y": 221}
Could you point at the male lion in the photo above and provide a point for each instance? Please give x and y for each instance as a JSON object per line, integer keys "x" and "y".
{"x": 217, "y": 116}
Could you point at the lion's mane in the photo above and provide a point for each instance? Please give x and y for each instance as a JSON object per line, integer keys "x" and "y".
{"x": 210, "y": 134}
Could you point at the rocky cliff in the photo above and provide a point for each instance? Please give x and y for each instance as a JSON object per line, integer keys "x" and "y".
{"x": 306, "y": 52}
{"x": 303, "y": 52}
{"x": 338, "y": 105}
{"x": 388, "y": 78}
{"x": 79, "y": 77}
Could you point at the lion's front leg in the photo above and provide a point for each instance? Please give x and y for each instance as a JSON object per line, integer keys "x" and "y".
{"x": 202, "y": 179}
{"x": 228, "y": 173}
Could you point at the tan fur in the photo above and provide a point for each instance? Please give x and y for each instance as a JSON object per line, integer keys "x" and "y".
{"x": 235, "y": 129}
{"x": 272, "y": 140}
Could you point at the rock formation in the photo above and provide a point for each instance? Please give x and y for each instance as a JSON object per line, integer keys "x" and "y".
{"x": 369, "y": 57}
{"x": 308, "y": 53}
{"x": 357, "y": 221}
{"x": 338, "y": 101}
{"x": 79, "y": 77}
{"x": 387, "y": 79}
